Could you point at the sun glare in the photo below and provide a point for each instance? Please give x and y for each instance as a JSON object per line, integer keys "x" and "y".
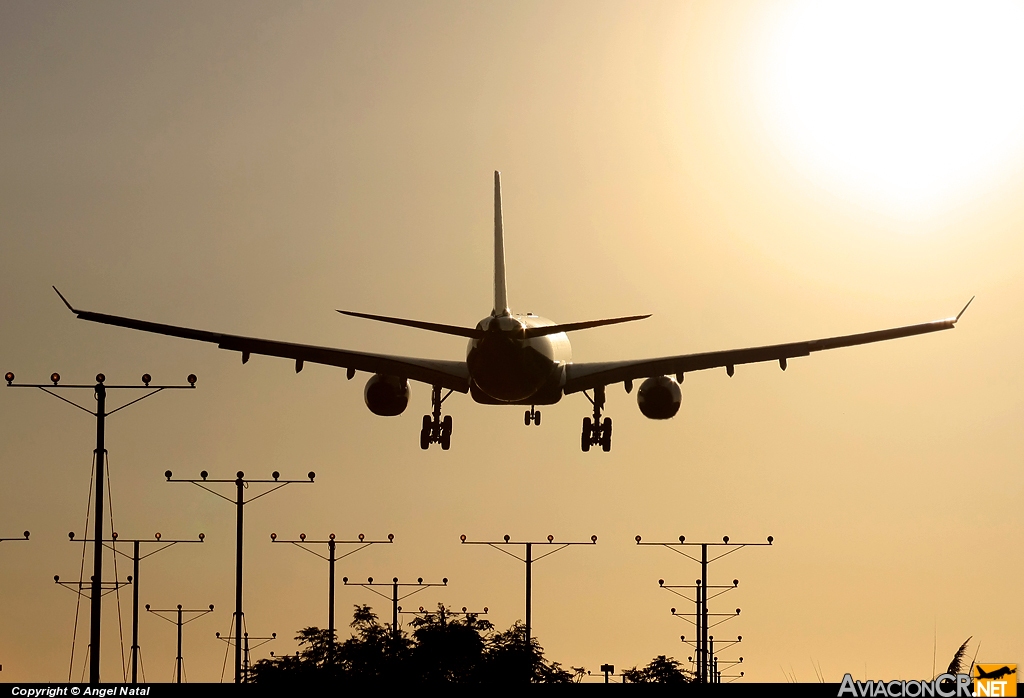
{"x": 910, "y": 103}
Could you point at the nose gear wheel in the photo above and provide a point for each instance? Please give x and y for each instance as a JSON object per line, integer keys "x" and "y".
{"x": 596, "y": 432}
{"x": 436, "y": 429}
{"x": 531, "y": 416}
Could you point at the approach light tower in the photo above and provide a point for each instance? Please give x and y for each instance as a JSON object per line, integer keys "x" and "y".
{"x": 417, "y": 586}
{"x": 529, "y": 560}
{"x": 241, "y": 483}
{"x": 100, "y": 391}
{"x": 179, "y": 664}
{"x": 704, "y": 667}
{"x": 331, "y": 558}
{"x": 137, "y": 557}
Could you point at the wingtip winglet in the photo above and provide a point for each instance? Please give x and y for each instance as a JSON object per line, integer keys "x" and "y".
{"x": 964, "y": 310}
{"x": 65, "y": 300}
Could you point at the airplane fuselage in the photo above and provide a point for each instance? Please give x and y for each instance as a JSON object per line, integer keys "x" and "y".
{"x": 505, "y": 367}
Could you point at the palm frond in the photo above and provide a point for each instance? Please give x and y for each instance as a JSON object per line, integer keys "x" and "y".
{"x": 956, "y": 666}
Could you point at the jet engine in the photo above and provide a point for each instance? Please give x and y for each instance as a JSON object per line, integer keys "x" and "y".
{"x": 659, "y": 397}
{"x": 387, "y": 396}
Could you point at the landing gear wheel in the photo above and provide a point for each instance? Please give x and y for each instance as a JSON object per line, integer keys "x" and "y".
{"x": 595, "y": 431}
{"x": 436, "y": 430}
{"x": 527, "y": 418}
{"x": 536, "y": 417}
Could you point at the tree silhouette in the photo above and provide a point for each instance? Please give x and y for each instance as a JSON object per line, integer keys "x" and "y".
{"x": 510, "y": 659}
{"x": 662, "y": 669}
{"x": 373, "y": 654}
{"x": 316, "y": 661}
{"x": 449, "y": 650}
{"x": 443, "y": 649}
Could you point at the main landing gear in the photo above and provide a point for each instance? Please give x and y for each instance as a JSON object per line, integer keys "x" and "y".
{"x": 435, "y": 429}
{"x": 531, "y": 416}
{"x": 595, "y": 431}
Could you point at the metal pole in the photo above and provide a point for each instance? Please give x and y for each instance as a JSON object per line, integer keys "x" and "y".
{"x": 711, "y": 658}
{"x": 330, "y": 593}
{"x": 240, "y": 505}
{"x": 135, "y": 613}
{"x": 247, "y": 657}
{"x": 97, "y": 559}
{"x": 394, "y": 608}
{"x": 178, "y": 662}
{"x": 700, "y": 622}
{"x": 704, "y": 610}
{"x": 529, "y": 592}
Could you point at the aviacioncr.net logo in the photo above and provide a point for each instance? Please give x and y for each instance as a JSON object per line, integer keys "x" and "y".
{"x": 995, "y": 680}
{"x": 943, "y": 686}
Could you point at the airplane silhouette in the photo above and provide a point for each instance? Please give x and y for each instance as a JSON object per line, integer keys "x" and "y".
{"x": 995, "y": 674}
{"x": 515, "y": 359}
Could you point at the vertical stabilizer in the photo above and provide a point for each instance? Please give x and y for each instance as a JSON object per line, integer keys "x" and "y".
{"x": 500, "y": 297}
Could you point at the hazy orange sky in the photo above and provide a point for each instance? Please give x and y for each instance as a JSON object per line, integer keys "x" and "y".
{"x": 749, "y": 173}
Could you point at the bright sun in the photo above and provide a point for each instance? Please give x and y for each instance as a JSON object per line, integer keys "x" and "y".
{"x": 909, "y": 102}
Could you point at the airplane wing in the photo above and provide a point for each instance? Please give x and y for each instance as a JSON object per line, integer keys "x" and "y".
{"x": 447, "y": 374}
{"x": 587, "y": 376}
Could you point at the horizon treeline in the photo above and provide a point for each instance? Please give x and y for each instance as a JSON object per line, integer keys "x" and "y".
{"x": 442, "y": 648}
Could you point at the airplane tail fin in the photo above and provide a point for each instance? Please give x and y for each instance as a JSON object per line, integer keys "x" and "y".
{"x": 501, "y": 308}
{"x": 500, "y": 295}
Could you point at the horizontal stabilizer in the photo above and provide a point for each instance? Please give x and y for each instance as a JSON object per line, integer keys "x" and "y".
{"x": 573, "y": 326}
{"x": 470, "y": 332}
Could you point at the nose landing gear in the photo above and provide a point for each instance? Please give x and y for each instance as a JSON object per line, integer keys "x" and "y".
{"x": 532, "y": 416}
{"x": 595, "y": 431}
{"x": 435, "y": 429}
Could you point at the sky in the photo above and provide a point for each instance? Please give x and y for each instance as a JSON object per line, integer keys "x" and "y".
{"x": 747, "y": 172}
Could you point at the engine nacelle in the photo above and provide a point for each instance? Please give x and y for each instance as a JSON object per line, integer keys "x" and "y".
{"x": 387, "y": 396}
{"x": 659, "y": 397}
